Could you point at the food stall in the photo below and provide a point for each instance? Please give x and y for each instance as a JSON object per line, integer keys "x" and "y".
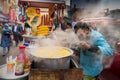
{"x": 50, "y": 67}
{"x": 48, "y": 63}
{"x": 41, "y": 15}
{"x": 54, "y": 64}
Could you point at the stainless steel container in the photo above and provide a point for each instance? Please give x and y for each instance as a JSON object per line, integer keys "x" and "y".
{"x": 29, "y": 38}
{"x": 52, "y": 63}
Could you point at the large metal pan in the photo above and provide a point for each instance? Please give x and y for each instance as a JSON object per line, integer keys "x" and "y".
{"x": 51, "y": 63}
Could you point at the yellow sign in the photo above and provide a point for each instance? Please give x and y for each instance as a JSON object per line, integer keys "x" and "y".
{"x": 34, "y": 18}
{"x": 31, "y": 12}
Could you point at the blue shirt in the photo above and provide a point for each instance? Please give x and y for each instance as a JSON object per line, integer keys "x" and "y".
{"x": 91, "y": 62}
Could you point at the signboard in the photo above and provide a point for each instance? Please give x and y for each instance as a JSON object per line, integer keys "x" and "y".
{"x": 12, "y": 14}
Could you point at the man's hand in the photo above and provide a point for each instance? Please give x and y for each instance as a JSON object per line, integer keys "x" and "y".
{"x": 85, "y": 45}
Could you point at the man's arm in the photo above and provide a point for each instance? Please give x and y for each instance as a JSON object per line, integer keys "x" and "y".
{"x": 93, "y": 49}
{"x": 86, "y": 46}
{"x": 104, "y": 46}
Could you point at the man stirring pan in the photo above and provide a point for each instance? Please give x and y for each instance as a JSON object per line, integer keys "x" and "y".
{"x": 92, "y": 48}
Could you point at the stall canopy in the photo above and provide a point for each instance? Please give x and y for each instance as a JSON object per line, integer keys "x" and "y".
{"x": 3, "y": 18}
{"x": 43, "y": 3}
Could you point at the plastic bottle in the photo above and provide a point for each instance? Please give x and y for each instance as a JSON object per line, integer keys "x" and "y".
{"x": 20, "y": 61}
{"x": 27, "y": 60}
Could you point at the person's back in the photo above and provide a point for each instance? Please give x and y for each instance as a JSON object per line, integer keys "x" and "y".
{"x": 15, "y": 33}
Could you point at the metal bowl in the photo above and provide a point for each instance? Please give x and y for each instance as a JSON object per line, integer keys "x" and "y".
{"x": 51, "y": 63}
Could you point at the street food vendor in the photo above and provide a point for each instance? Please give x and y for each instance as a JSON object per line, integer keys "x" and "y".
{"x": 92, "y": 48}
{"x": 66, "y": 23}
